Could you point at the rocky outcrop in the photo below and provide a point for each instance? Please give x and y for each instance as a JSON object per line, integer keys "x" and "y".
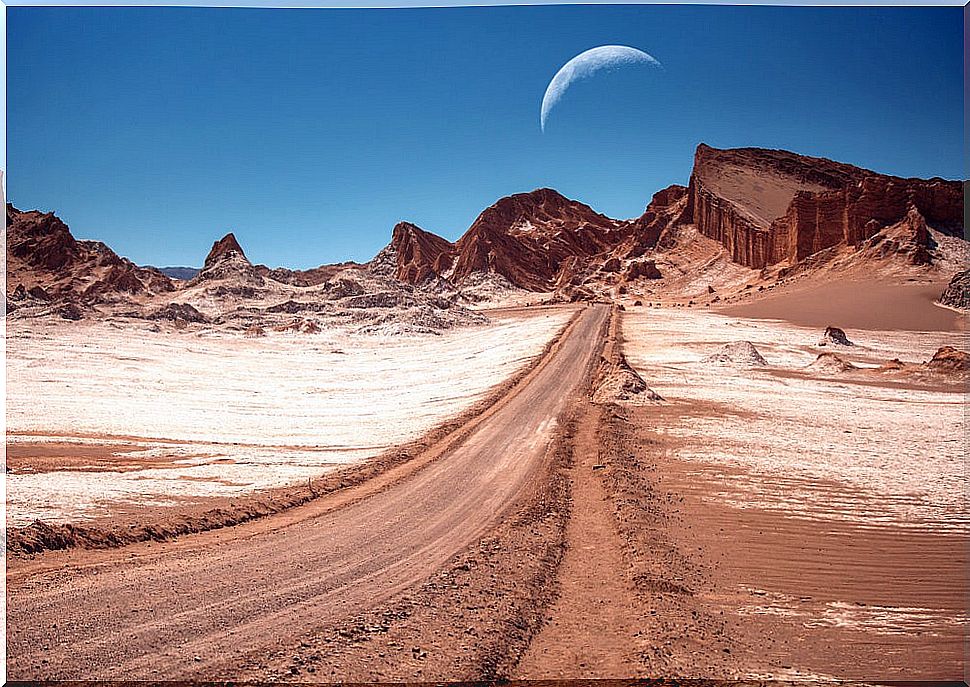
{"x": 227, "y": 261}
{"x": 46, "y": 262}
{"x": 949, "y": 359}
{"x": 770, "y": 206}
{"x": 830, "y": 363}
{"x": 529, "y": 238}
{"x": 957, "y": 293}
{"x": 414, "y": 255}
{"x": 834, "y": 336}
{"x": 665, "y": 210}
{"x": 642, "y": 268}
{"x": 909, "y": 238}
{"x": 620, "y": 383}
{"x": 178, "y": 312}
{"x": 740, "y": 353}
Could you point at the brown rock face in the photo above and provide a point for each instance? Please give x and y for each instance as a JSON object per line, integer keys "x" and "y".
{"x": 226, "y": 248}
{"x": 642, "y": 268}
{"x": 415, "y": 255}
{"x": 769, "y": 206}
{"x": 666, "y": 209}
{"x": 529, "y": 238}
{"x": 227, "y": 261}
{"x": 957, "y": 292}
{"x": 43, "y": 257}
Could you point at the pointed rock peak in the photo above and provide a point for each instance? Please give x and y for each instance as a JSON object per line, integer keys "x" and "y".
{"x": 668, "y": 196}
{"x": 225, "y": 248}
{"x": 409, "y": 239}
{"x": 914, "y": 216}
{"x": 405, "y": 230}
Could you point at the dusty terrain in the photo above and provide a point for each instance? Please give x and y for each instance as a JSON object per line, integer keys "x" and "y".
{"x": 739, "y": 452}
{"x": 104, "y": 416}
{"x": 829, "y": 520}
{"x": 372, "y": 548}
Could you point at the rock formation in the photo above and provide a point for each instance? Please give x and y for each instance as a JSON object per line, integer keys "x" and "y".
{"x": 414, "y": 255}
{"x": 531, "y": 238}
{"x": 949, "y": 359}
{"x": 620, "y": 383}
{"x": 830, "y": 363}
{"x": 957, "y": 293}
{"x": 46, "y": 263}
{"x": 227, "y": 261}
{"x": 754, "y": 207}
{"x": 770, "y": 206}
{"x": 666, "y": 209}
{"x": 834, "y": 336}
{"x": 741, "y": 353}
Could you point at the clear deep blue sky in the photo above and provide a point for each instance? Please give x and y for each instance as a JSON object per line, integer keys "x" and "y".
{"x": 311, "y": 132}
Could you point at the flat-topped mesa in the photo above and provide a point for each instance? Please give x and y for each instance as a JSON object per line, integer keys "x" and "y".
{"x": 227, "y": 260}
{"x": 771, "y": 206}
{"x": 529, "y": 238}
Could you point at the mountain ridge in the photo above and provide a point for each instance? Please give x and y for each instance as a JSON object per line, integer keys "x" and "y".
{"x": 765, "y": 209}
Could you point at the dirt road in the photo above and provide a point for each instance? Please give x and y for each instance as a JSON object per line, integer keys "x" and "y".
{"x": 196, "y": 607}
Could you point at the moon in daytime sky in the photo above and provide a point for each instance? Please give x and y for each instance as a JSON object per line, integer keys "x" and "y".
{"x": 586, "y": 65}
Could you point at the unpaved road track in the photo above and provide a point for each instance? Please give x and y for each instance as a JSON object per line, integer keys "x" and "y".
{"x": 195, "y": 608}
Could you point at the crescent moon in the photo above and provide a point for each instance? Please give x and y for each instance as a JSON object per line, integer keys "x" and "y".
{"x": 585, "y": 65}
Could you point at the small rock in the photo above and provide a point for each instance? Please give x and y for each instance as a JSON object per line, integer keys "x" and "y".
{"x": 835, "y": 336}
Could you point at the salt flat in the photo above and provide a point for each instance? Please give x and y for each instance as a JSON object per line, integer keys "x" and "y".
{"x": 196, "y": 414}
{"x": 869, "y": 447}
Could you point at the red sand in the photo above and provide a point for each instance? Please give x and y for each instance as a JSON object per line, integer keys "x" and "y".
{"x": 907, "y": 306}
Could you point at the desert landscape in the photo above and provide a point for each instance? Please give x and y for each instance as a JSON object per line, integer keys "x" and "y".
{"x": 724, "y": 439}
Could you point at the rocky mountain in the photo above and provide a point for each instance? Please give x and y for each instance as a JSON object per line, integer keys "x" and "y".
{"x": 763, "y": 207}
{"x": 772, "y": 206}
{"x": 747, "y": 215}
{"x": 182, "y": 273}
{"x": 533, "y": 240}
{"x": 414, "y": 255}
{"x": 227, "y": 261}
{"x": 46, "y": 263}
{"x": 50, "y": 273}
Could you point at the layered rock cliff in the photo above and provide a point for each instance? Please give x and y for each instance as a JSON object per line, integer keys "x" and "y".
{"x": 770, "y": 206}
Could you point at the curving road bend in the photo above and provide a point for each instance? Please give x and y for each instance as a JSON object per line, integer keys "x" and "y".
{"x": 193, "y": 608}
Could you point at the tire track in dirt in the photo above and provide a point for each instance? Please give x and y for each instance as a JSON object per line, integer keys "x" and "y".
{"x": 591, "y": 629}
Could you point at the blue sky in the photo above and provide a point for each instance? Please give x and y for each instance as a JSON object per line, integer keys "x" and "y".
{"x": 309, "y": 133}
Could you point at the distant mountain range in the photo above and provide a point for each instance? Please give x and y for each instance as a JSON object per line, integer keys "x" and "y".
{"x": 759, "y": 209}
{"x": 183, "y": 273}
